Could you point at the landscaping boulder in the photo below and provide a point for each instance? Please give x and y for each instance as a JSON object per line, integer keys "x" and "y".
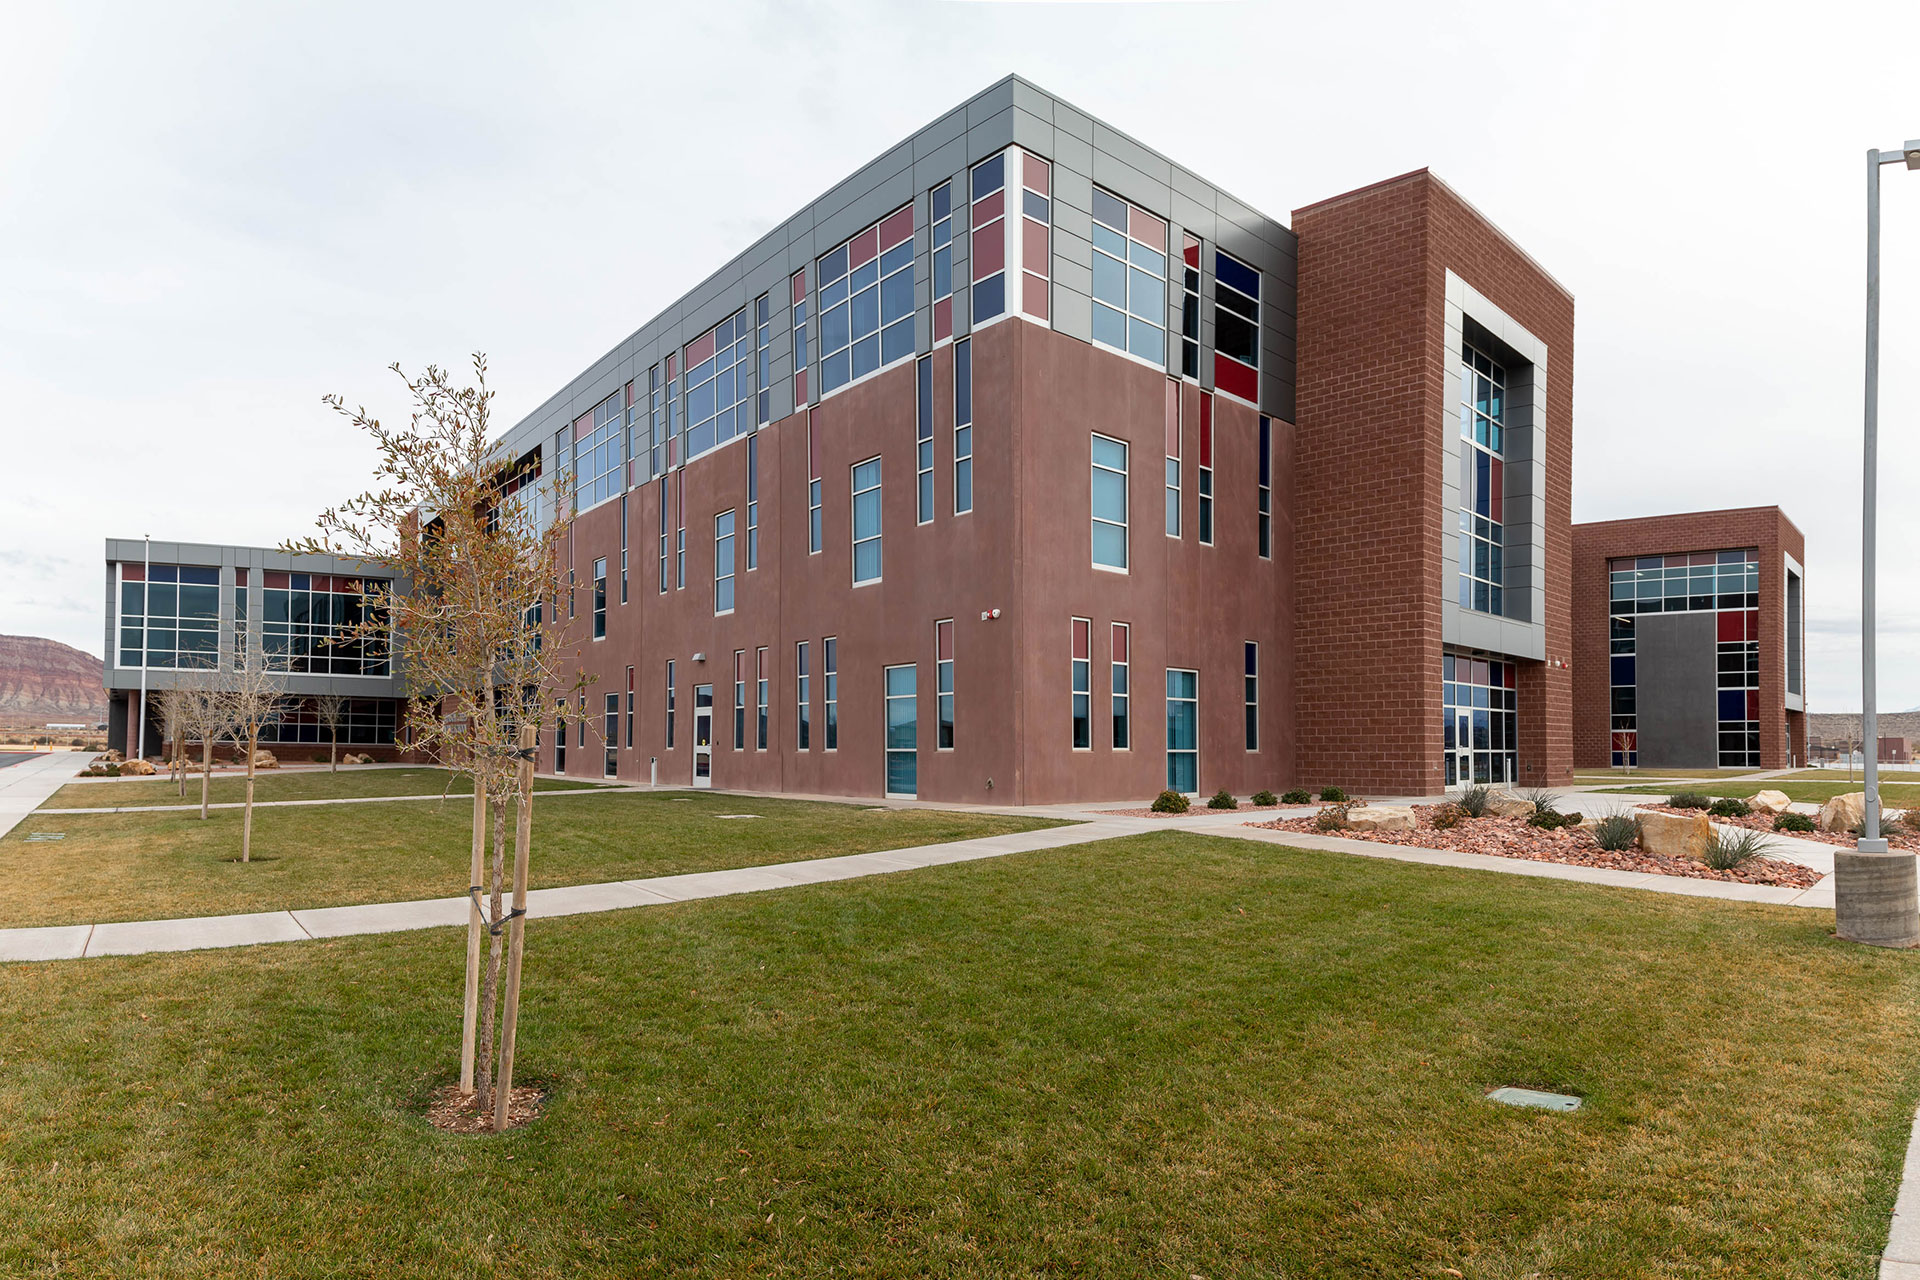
{"x": 1675, "y": 835}
{"x": 1385, "y": 817}
{"x": 1504, "y": 804}
{"x": 1771, "y": 803}
{"x": 265, "y": 760}
{"x": 139, "y": 768}
{"x": 114, "y": 757}
{"x": 1843, "y": 813}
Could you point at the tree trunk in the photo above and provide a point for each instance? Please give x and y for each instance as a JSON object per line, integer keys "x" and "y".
{"x": 246, "y": 822}
{"x": 517, "y": 931}
{"x": 489, "y": 992}
{"x": 333, "y": 749}
{"x": 206, "y": 771}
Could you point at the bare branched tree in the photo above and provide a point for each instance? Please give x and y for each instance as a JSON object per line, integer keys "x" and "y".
{"x": 332, "y": 709}
{"x": 205, "y": 710}
{"x": 475, "y": 543}
{"x": 173, "y": 727}
{"x": 251, "y": 693}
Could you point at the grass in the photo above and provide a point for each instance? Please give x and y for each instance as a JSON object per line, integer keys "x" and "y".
{"x": 1164, "y": 1056}
{"x": 1888, "y": 773}
{"x": 1895, "y": 795}
{"x": 232, "y": 788}
{"x": 139, "y": 866}
{"x": 1608, "y": 775}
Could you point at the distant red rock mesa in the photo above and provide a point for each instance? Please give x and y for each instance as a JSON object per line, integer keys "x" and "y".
{"x": 43, "y": 680}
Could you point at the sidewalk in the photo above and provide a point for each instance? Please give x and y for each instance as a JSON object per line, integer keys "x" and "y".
{"x": 27, "y": 785}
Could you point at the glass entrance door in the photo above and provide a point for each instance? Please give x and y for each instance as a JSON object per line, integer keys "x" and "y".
{"x": 703, "y": 735}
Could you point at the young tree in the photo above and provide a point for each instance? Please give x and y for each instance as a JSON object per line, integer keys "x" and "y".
{"x": 205, "y": 712}
{"x": 333, "y": 713}
{"x": 475, "y": 544}
{"x": 173, "y": 725}
{"x": 251, "y": 696}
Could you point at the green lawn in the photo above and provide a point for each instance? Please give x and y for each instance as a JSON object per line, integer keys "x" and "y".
{"x": 1608, "y": 775}
{"x": 1172, "y": 1055}
{"x": 1897, "y": 795}
{"x": 1887, "y": 774}
{"x": 232, "y": 788}
{"x": 138, "y": 866}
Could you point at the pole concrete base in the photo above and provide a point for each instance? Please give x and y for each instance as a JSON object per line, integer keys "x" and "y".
{"x": 1876, "y": 898}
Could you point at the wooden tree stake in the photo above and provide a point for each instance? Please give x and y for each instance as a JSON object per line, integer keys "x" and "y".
{"x": 517, "y": 928}
{"x": 476, "y": 927}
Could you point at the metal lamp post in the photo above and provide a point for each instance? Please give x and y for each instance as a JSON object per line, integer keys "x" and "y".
{"x": 1876, "y": 897}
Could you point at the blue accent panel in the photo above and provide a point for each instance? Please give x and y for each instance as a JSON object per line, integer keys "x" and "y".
{"x": 1733, "y": 704}
{"x": 1623, "y": 671}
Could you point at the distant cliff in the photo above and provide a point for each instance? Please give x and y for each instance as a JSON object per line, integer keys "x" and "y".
{"x": 43, "y": 680}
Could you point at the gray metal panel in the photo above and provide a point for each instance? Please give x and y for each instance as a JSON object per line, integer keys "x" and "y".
{"x": 1676, "y": 701}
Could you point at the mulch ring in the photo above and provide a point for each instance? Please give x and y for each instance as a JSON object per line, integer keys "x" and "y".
{"x": 1199, "y": 810}
{"x": 1513, "y": 838}
{"x": 1899, "y": 835}
{"x": 453, "y": 1111}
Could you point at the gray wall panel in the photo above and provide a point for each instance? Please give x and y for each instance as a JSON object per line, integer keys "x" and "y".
{"x": 1676, "y": 701}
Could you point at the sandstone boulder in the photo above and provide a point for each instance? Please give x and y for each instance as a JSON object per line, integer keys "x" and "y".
{"x": 1675, "y": 835}
{"x": 114, "y": 757}
{"x": 140, "y": 768}
{"x": 265, "y": 760}
{"x": 1843, "y": 813}
{"x": 1504, "y": 804}
{"x": 1386, "y": 817}
{"x": 1769, "y": 802}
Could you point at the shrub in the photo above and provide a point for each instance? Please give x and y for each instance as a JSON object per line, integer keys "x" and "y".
{"x": 1615, "y": 832}
{"x": 1729, "y": 807}
{"x": 1794, "y": 822}
{"x": 1333, "y": 795}
{"x": 1731, "y": 848}
{"x": 1447, "y": 816}
{"x": 1265, "y": 798}
{"x": 1911, "y": 821}
{"x": 1297, "y": 796}
{"x": 1169, "y": 802}
{"x": 1541, "y": 800}
{"x": 1548, "y": 820}
{"x": 1689, "y": 800}
{"x": 1222, "y": 799}
{"x": 1473, "y": 801}
{"x": 1331, "y": 818}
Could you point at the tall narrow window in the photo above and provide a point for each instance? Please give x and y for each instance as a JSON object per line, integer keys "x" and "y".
{"x": 1129, "y": 279}
{"x": 637, "y": 446}
{"x": 1190, "y": 307}
{"x": 570, "y": 591}
{"x": 680, "y": 537}
{"x": 803, "y": 698}
{"x": 629, "y": 708}
{"x": 723, "y": 563}
{"x": 866, "y": 301}
{"x": 580, "y": 736}
{"x": 1483, "y": 395}
{"x": 670, "y": 707}
{"x": 600, "y": 598}
{"x": 923, "y": 439}
{"x": 1183, "y": 731}
{"x": 1109, "y": 503}
{"x": 943, "y": 670}
{"x": 665, "y": 498}
{"x": 656, "y": 423}
{"x": 989, "y": 254}
{"x": 962, "y": 426}
{"x": 1253, "y": 695}
{"x": 1266, "y": 488}
{"x": 1206, "y": 469}
{"x": 753, "y": 501}
{"x": 903, "y": 732}
{"x": 940, "y": 209}
{"x": 1082, "y": 684}
{"x": 760, "y": 698}
{"x": 623, "y": 548}
{"x": 739, "y": 699}
{"x": 676, "y": 415}
{"x": 1122, "y": 688}
{"x": 799, "y": 339}
{"x": 815, "y": 540}
{"x": 763, "y": 340}
{"x": 610, "y": 735}
{"x": 560, "y": 735}
{"x": 1036, "y": 222}
{"x": 1236, "y": 327}
{"x": 866, "y": 521}
{"x": 830, "y": 690}
{"x": 1173, "y": 458}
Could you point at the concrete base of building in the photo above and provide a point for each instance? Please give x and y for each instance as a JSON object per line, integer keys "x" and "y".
{"x": 1876, "y": 898}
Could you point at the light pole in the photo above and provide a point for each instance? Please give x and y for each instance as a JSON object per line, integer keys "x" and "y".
{"x": 1876, "y": 898}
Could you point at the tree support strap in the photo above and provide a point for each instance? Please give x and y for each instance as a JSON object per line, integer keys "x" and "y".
{"x": 498, "y": 926}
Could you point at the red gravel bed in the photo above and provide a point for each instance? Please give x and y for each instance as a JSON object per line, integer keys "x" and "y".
{"x": 1899, "y": 836}
{"x": 1513, "y": 838}
{"x": 1199, "y": 810}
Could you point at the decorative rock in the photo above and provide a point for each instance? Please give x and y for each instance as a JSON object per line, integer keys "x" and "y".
{"x": 1384, "y": 817}
{"x": 1843, "y": 813}
{"x": 1769, "y": 802}
{"x": 265, "y": 760}
{"x": 1504, "y": 804}
{"x": 140, "y": 768}
{"x": 1675, "y": 835}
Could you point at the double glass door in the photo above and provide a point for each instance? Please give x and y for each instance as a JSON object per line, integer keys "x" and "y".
{"x": 703, "y": 735}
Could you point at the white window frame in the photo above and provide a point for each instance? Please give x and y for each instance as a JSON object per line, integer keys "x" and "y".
{"x": 731, "y": 576}
{"x": 853, "y": 520}
{"x": 1125, "y": 523}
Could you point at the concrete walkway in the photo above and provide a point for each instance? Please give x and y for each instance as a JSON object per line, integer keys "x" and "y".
{"x": 26, "y": 785}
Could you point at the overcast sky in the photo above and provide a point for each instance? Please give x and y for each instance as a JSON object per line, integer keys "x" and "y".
{"x": 210, "y": 215}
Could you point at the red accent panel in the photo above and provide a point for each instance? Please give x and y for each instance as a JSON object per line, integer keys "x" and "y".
{"x": 583, "y": 425}
{"x": 1733, "y": 626}
{"x": 1033, "y": 248}
{"x": 239, "y": 577}
{"x": 1753, "y": 624}
{"x": 1081, "y": 640}
{"x": 1039, "y": 175}
{"x": 1234, "y": 378}
{"x": 989, "y": 250}
{"x": 700, "y": 350}
{"x": 1146, "y": 228}
{"x": 1173, "y": 418}
{"x": 799, "y": 286}
{"x": 1206, "y": 430}
{"x": 136, "y": 573}
{"x": 943, "y": 634}
{"x": 1033, "y": 298}
{"x": 943, "y": 319}
{"x": 813, "y": 449}
{"x": 672, "y": 359}
{"x": 278, "y": 580}
{"x": 1119, "y": 642}
{"x": 800, "y": 387}
{"x": 1192, "y": 253}
{"x": 897, "y": 227}
{"x": 1623, "y": 740}
{"x": 988, "y": 207}
{"x": 1753, "y": 704}
{"x": 864, "y": 247}
{"x": 1513, "y": 673}
{"x": 1497, "y": 483}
